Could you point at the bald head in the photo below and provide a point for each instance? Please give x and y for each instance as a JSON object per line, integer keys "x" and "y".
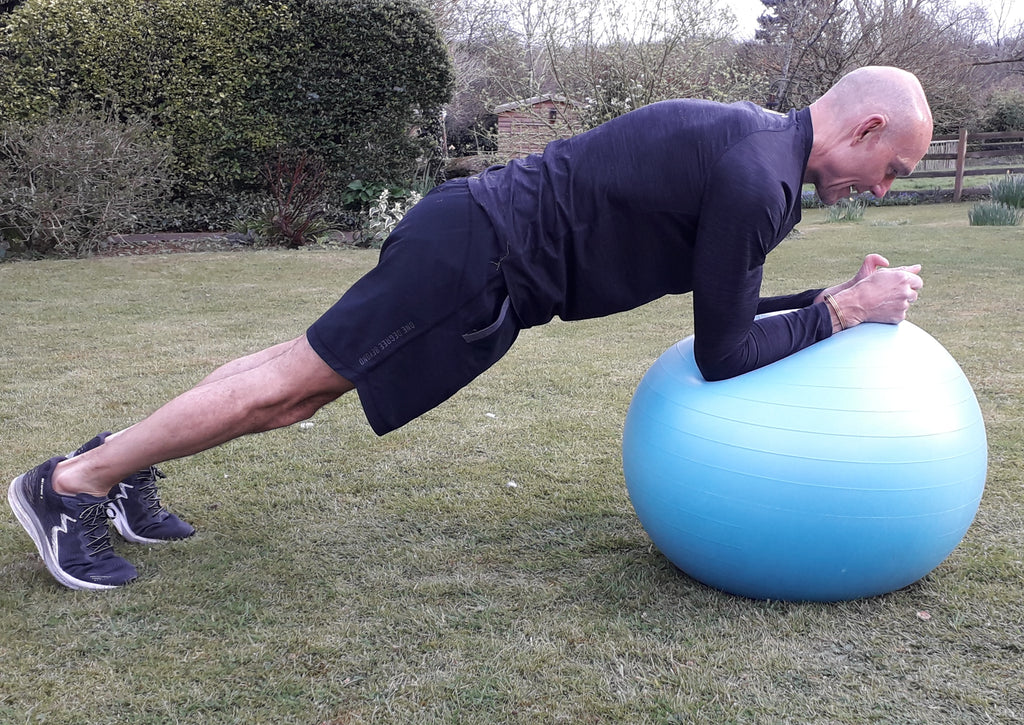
{"x": 872, "y": 126}
{"x": 892, "y": 92}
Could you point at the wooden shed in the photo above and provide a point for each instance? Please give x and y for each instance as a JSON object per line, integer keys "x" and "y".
{"x": 526, "y": 127}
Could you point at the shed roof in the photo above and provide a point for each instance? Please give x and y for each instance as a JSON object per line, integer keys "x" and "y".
{"x": 513, "y": 105}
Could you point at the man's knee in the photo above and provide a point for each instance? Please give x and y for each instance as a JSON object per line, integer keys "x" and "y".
{"x": 290, "y": 389}
{"x": 302, "y": 361}
{"x": 298, "y": 382}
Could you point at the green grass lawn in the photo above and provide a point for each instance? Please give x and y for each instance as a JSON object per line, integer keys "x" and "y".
{"x": 932, "y": 183}
{"x": 920, "y": 183}
{"x": 342, "y": 578}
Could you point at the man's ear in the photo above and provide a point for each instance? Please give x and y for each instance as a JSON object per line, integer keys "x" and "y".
{"x": 872, "y": 124}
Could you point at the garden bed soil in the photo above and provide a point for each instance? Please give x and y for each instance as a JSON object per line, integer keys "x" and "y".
{"x": 127, "y": 245}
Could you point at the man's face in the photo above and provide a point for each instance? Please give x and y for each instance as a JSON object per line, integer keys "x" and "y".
{"x": 870, "y": 163}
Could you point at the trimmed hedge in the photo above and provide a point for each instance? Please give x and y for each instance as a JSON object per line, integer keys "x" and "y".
{"x": 229, "y": 82}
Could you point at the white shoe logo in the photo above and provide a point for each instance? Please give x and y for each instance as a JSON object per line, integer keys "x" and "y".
{"x": 114, "y": 506}
{"x": 122, "y": 491}
{"x": 60, "y": 529}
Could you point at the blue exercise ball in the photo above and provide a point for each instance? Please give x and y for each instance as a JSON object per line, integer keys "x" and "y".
{"x": 849, "y": 469}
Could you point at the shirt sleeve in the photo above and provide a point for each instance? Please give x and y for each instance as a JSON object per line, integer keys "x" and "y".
{"x": 741, "y": 218}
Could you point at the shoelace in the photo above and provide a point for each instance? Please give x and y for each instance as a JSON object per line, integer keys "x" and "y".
{"x": 147, "y": 490}
{"x": 93, "y": 519}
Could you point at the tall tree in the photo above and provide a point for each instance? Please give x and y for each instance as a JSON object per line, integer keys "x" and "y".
{"x": 609, "y": 55}
{"x": 808, "y": 44}
{"x": 807, "y": 38}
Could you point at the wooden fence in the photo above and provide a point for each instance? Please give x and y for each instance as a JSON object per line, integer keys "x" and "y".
{"x": 989, "y": 153}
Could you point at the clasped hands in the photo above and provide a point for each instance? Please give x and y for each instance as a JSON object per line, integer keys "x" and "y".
{"x": 877, "y": 293}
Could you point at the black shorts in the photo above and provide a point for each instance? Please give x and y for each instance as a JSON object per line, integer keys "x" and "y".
{"x": 429, "y": 318}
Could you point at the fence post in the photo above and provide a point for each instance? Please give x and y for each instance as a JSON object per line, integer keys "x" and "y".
{"x": 961, "y": 158}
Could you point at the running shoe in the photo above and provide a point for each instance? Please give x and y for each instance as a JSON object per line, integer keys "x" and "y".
{"x": 135, "y": 509}
{"x": 137, "y": 513}
{"x": 70, "y": 532}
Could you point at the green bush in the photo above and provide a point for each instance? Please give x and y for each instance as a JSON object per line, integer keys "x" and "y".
{"x": 388, "y": 72}
{"x": 178, "y": 65}
{"x": 994, "y": 214}
{"x": 231, "y": 81}
{"x": 1009, "y": 190}
{"x": 1004, "y": 111}
{"x": 69, "y": 183}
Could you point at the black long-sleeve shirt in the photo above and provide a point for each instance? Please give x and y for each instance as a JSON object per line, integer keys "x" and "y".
{"x": 678, "y": 196}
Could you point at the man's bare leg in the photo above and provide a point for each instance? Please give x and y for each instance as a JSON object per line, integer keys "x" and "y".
{"x": 247, "y": 362}
{"x": 237, "y": 365}
{"x": 270, "y": 389}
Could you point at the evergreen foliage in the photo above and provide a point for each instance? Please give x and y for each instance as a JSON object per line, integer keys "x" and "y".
{"x": 230, "y": 82}
{"x": 1005, "y": 111}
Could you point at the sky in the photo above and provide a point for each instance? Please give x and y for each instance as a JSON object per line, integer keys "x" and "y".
{"x": 747, "y": 12}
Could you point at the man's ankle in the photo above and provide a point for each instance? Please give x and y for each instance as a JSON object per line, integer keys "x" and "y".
{"x": 65, "y": 480}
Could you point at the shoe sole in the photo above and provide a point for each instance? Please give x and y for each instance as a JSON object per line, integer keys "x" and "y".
{"x": 23, "y": 512}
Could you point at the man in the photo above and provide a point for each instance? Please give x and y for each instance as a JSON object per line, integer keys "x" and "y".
{"x": 679, "y": 196}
